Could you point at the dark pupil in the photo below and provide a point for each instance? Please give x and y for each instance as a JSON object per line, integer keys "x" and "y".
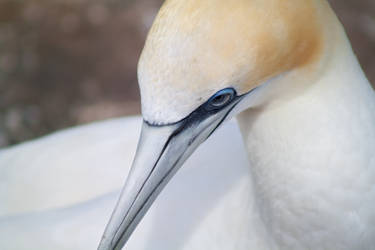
{"x": 220, "y": 100}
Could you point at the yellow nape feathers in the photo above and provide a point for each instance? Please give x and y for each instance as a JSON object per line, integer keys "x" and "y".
{"x": 197, "y": 47}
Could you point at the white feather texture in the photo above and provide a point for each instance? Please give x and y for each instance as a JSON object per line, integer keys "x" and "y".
{"x": 304, "y": 178}
{"x": 198, "y": 203}
{"x": 313, "y": 162}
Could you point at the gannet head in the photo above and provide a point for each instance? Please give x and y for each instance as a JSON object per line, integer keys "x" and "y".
{"x": 196, "y": 48}
{"x": 200, "y": 61}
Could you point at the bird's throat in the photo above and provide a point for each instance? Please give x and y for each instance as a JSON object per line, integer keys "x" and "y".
{"x": 311, "y": 154}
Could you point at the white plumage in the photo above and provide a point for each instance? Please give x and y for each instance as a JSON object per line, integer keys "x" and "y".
{"x": 303, "y": 179}
{"x": 70, "y": 212}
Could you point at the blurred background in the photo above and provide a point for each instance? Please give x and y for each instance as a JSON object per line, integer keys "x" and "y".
{"x": 69, "y": 62}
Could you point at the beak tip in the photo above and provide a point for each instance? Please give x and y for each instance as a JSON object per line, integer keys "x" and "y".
{"x": 161, "y": 152}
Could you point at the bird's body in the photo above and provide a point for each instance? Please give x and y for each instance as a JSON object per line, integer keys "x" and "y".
{"x": 64, "y": 212}
{"x": 308, "y": 124}
{"x": 99, "y": 154}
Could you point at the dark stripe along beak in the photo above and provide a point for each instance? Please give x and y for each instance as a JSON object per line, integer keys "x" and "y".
{"x": 161, "y": 152}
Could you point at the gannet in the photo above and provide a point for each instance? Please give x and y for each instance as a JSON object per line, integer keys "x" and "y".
{"x": 306, "y": 113}
{"x": 305, "y": 110}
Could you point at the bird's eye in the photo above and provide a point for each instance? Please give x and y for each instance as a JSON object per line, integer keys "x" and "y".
{"x": 220, "y": 99}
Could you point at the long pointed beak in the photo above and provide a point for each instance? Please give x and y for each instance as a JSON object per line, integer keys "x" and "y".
{"x": 161, "y": 152}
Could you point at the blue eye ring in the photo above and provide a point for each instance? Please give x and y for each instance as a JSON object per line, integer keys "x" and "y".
{"x": 221, "y": 99}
